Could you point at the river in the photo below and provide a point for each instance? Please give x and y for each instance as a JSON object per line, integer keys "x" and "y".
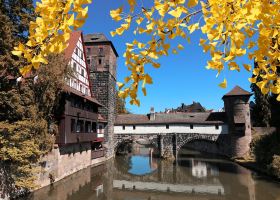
{"x": 140, "y": 176}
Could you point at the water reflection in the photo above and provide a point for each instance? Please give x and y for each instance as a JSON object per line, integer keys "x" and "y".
{"x": 136, "y": 177}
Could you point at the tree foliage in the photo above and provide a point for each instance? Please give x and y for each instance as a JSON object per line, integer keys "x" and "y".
{"x": 232, "y": 29}
{"x": 261, "y": 112}
{"x": 121, "y": 106}
{"x": 27, "y": 122}
{"x": 26, "y": 106}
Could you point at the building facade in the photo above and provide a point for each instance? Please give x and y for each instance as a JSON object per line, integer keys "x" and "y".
{"x": 79, "y": 142}
{"x": 102, "y": 59}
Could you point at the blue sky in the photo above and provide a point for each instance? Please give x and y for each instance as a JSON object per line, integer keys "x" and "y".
{"x": 182, "y": 77}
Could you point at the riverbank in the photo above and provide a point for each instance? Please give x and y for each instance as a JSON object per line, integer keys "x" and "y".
{"x": 264, "y": 155}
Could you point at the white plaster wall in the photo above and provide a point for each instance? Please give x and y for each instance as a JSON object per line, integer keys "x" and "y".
{"x": 173, "y": 128}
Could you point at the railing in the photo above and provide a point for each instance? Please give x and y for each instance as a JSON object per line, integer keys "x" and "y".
{"x": 97, "y": 153}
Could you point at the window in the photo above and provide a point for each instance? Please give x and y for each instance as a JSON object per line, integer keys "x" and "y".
{"x": 216, "y": 127}
{"x": 86, "y": 91}
{"x": 88, "y": 50}
{"x": 81, "y": 88}
{"x": 134, "y": 127}
{"x": 82, "y": 55}
{"x": 93, "y": 127}
{"x": 123, "y": 127}
{"x": 74, "y": 66}
{"x": 99, "y": 61}
{"x": 76, "y": 51}
{"x": 75, "y": 85}
{"x": 73, "y": 125}
{"x": 88, "y": 61}
{"x": 100, "y": 50}
{"x": 88, "y": 126}
{"x": 167, "y": 126}
{"x": 83, "y": 73}
{"x": 80, "y": 126}
{"x": 191, "y": 126}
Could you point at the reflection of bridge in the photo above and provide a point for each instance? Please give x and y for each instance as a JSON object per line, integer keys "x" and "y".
{"x": 167, "y": 187}
{"x": 227, "y": 133}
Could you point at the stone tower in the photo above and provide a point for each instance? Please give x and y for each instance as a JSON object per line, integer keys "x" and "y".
{"x": 239, "y": 125}
{"x": 102, "y": 59}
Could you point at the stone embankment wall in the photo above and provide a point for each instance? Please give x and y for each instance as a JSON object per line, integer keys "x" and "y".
{"x": 63, "y": 161}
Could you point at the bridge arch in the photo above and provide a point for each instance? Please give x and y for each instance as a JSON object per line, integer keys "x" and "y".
{"x": 201, "y": 142}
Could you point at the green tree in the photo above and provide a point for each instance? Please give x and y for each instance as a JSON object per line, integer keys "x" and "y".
{"x": 121, "y": 106}
{"x": 27, "y": 124}
{"x": 261, "y": 113}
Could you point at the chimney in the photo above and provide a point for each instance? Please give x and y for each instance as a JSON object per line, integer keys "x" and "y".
{"x": 152, "y": 114}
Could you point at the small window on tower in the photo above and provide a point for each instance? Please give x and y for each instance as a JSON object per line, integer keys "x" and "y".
{"x": 83, "y": 73}
{"x": 99, "y": 61}
{"x": 191, "y": 126}
{"x": 88, "y": 61}
{"x": 134, "y": 127}
{"x": 88, "y": 50}
{"x": 217, "y": 127}
{"x": 123, "y": 127}
{"x": 100, "y": 50}
{"x": 167, "y": 126}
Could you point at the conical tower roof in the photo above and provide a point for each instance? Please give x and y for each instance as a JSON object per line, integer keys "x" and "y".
{"x": 237, "y": 91}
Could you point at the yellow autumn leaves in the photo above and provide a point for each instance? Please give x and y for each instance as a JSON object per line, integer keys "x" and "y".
{"x": 232, "y": 29}
{"x": 50, "y": 32}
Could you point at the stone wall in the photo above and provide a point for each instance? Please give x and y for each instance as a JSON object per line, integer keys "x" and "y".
{"x": 63, "y": 161}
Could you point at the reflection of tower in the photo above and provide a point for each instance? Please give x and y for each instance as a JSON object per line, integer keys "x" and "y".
{"x": 102, "y": 58}
{"x": 199, "y": 168}
{"x": 239, "y": 125}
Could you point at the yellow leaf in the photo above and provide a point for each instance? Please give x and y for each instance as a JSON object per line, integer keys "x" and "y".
{"x": 115, "y": 14}
{"x": 234, "y": 66}
{"x": 193, "y": 27}
{"x": 180, "y": 46}
{"x": 192, "y": 3}
{"x": 156, "y": 65}
{"x": 223, "y": 84}
{"x": 139, "y": 20}
{"x": 120, "y": 85}
{"x": 144, "y": 91}
{"x": 113, "y": 33}
{"x": 25, "y": 70}
{"x": 17, "y": 53}
{"x": 247, "y": 67}
{"x": 253, "y": 80}
{"x": 278, "y": 98}
{"x": 174, "y": 51}
{"x": 177, "y": 12}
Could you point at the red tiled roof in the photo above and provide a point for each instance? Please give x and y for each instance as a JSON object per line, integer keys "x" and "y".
{"x": 237, "y": 91}
{"x": 173, "y": 118}
{"x": 74, "y": 37}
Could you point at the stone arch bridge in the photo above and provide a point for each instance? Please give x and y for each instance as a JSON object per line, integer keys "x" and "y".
{"x": 171, "y": 143}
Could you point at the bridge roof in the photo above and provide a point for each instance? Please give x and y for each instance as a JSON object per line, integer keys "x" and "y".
{"x": 173, "y": 118}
